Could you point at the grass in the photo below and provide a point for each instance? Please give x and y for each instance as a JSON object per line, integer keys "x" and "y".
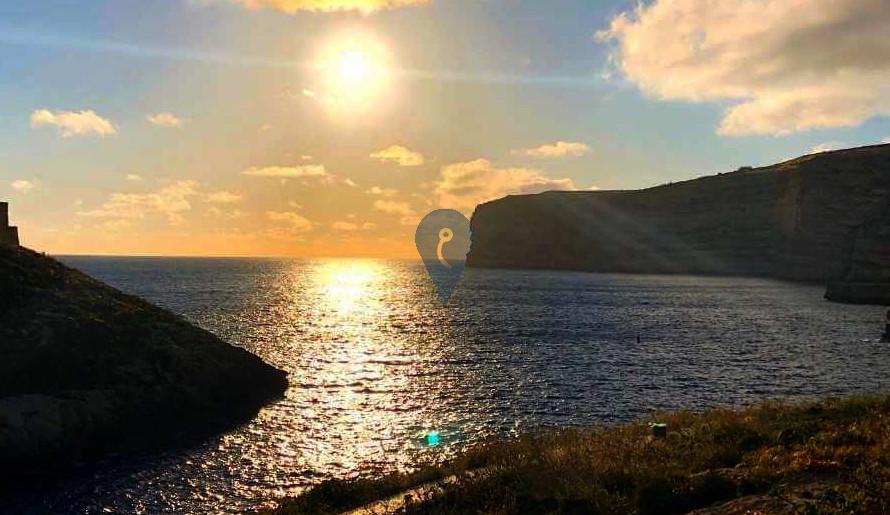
{"x": 827, "y": 457}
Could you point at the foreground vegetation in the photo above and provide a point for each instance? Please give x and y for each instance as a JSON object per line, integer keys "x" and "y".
{"x": 828, "y": 457}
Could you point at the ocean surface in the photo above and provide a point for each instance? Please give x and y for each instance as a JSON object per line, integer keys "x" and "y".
{"x": 376, "y": 364}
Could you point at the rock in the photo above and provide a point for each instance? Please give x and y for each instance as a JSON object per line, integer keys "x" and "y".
{"x": 88, "y": 370}
{"x": 820, "y": 218}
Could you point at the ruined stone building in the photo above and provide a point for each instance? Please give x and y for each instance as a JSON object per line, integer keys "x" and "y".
{"x": 8, "y": 235}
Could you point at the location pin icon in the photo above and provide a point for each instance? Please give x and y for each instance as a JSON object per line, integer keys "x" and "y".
{"x": 443, "y": 240}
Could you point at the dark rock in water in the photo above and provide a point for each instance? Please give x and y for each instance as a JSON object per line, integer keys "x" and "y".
{"x": 86, "y": 369}
{"x": 822, "y": 217}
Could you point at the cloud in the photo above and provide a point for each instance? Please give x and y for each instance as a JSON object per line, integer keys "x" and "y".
{"x": 171, "y": 201}
{"x": 463, "y": 186}
{"x": 23, "y": 185}
{"x": 886, "y": 140}
{"x": 344, "y": 226}
{"x": 74, "y": 123}
{"x": 167, "y": 120}
{"x": 133, "y": 177}
{"x": 294, "y": 222}
{"x": 393, "y": 207}
{"x": 399, "y": 155}
{"x": 382, "y": 192}
{"x": 784, "y": 66}
{"x": 828, "y": 146}
{"x": 365, "y": 6}
{"x": 558, "y": 149}
{"x": 287, "y": 171}
{"x": 223, "y": 197}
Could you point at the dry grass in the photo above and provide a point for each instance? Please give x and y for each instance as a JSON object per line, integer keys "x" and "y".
{"x": 828, "y": 457}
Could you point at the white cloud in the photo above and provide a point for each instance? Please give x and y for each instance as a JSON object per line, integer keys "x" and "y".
{"x": 399, "y": 155}
{"x": 886, "y": 140}
{"x": 74, "y": 123}
{"x": 786, "y": 66}
{"x": 133, "y": 177}
{"x": 287, "y": 171}
{"x": 167, "y": 120}
{"x": 23, "y": 185}
{"x": 223, "y": 197}
{"x": 172, "y": 201}
{"x": 365, "y": 6}
{"x": 463, "y": 186}
{"x": 558, "y": 149}
{"x": 349, "y": 182}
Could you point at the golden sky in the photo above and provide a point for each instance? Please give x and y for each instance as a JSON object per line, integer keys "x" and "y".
{"x": 330, "y": 127}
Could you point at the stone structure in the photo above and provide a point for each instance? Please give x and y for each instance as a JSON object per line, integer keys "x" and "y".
{"x": 822, "y": 218}
{"x": 8, "y": 235}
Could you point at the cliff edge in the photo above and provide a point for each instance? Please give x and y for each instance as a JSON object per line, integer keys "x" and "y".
{"x": 87, "y": 369}
{"x": 822, "y": 217}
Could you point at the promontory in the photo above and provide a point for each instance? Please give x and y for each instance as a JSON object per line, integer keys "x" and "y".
{"x": 821, "y": 218}
{"x": 87, "y": 369}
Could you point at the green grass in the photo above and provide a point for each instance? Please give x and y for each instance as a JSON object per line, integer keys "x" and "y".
{"x": 827, "y": 457}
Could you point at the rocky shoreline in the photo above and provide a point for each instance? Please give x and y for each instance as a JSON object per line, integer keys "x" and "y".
{"x": 89, "y": 370}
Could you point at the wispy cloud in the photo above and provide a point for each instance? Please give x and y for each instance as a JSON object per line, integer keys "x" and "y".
{"x": 172, "y": 201}
{"x": 223, "y": 197}
{"x": 23, "y": 185}
{"x": 393, "y": 207}
{"x": 166, "y": 120}
{"x": 74, "y": 123}
{"x": 346, "y": 226}
{"x": 133, "y": 177}
{"x": 558, "y": 149}
{"x": 382, "y": 192}
{"x": 292, "y": 224}
{"x": 287, "y": 171}
{"x": 399, "y": 155}
{"x": 463, "y": 186}
{"x": 825, "y": 147}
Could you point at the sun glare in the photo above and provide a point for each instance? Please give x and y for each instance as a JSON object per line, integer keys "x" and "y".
{"x": 355, "y": 71}
{"x": 353, "y": 66}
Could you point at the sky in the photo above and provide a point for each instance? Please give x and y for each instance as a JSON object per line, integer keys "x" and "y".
{"x": 330, "y": 127}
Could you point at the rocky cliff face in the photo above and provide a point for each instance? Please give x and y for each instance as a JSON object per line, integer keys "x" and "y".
{"x": 822, "y": 217}
{"x": 87, "y": 369}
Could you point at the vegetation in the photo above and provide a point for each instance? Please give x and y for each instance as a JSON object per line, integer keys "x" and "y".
{"x": 828, "y": 457}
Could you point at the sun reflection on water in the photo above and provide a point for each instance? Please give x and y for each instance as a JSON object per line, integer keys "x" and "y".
{"x": 350, "y": 288}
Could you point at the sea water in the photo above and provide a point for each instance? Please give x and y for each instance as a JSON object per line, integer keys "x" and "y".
{"x": 377, "y": 365}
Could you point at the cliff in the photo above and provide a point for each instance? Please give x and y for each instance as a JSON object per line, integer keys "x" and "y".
{"x": 87, "y": 369}
{"x": 822, "y": 217}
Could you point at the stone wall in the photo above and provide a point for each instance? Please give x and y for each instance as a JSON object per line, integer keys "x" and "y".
{"x": 8, "y": 235}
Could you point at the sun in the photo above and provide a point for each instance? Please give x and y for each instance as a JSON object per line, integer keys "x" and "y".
{"x": 354, "y": 66}
{"x": 355, "y": 71}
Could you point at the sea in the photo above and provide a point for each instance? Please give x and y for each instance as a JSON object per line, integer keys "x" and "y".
{"x": 383, "y": 377}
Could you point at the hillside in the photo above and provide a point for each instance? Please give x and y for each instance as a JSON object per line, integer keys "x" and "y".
{"x": 87, "y": 369}
{"x": 822, "y": 217}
